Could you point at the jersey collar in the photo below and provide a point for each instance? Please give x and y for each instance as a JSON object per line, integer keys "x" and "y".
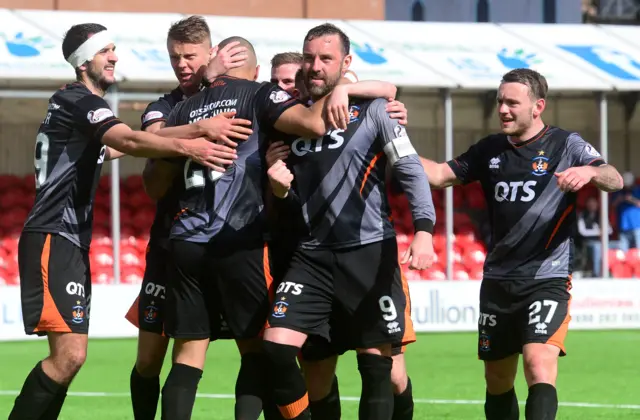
{"x": 538, "y": 136}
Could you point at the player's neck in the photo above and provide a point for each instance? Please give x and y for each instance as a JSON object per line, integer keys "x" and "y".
{"x": 535, "y": 128}
{"x": 92, "y": 87}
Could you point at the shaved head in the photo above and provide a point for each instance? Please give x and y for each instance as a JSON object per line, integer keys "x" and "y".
{"x": 252, "y": 60}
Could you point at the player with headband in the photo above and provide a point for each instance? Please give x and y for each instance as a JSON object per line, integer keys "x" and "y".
{"x": 78, "y": 133}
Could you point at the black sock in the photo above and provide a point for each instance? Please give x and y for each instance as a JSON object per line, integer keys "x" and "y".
{"x": 288, "y": 387}
{"x": 145, "y": 393}
{"x": 37, "y": 396}
{"x": 327, "y": 408}
{"x": 54, "y": 409}
{"x": 502, "y": 406}
{"x": 403, "y": 403}
{"x": 376, "y": 401}
{"x": 542, "y": 402}
{"x": 250, "y": 387}
{"x": 179, "y": 392}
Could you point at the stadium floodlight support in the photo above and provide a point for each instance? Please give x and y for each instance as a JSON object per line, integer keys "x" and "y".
{"x": 448, "y": 155}
{"x": 113, "y": 98}
{"x": 604, "y": 196}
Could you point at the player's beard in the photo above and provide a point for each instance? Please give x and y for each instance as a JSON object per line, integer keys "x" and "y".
{"x": 521, "y": 125}
{"x": 98, "y": 80}
{"x": 330, "y": 82}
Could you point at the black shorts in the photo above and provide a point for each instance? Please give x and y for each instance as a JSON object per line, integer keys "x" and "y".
{"x": 359, "y": 289}
{"x": 515, "y": 312}
{"x": 55, "y": 284}
{"x": 147, "y": 312}
{"x": 207, "y": 285}
{"x": 318, "y": 348}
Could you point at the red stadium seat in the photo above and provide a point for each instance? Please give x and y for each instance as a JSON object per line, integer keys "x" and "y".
{"x": 412, "y": 275}
{"x": 476, "y": 274}
{"x": 459, "y": 272}
{"x": 103, "y": 200}
{"x": 101, "y": 256}
{"x": 474, "y": 259}
{"x": 621, "y": 270}
{"x": 104, "y": 185}
{"x": 101, "y": 275}
{"x": 130, "y": 256}
{"x": 633, "y": 255}
{"x": 137, "y": 199}
{"x": 8, "y": 181}
{"x": 133, "y": 183}
{"x": 616, "y": 256}
{"x": 131, "y": 275}
{"x": 434, "y": 273}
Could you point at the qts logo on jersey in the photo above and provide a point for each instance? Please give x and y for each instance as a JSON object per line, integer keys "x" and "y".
{"x": 515, "y": 191}
{"x": 539, "y": 164}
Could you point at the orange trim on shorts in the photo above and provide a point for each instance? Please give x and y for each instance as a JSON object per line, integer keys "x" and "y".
{"x": 293, "y": 410}
{"x": 132, "y": 314}
{"x": 372, "y": 164}
{"x": 557, "y": 339}
{"x": 555, "y": 230}
{"x": 50, "y": 318}
{"x": 268, "y": 279}
{"x": 409, "y": 333}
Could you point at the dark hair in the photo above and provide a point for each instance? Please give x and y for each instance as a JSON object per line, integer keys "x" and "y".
{"x": 535, "y": 81}
{"x": 329, "y": 29}
{"x": 77, "y": 35}
{"x": 191, "y": 30}
{"x": 286, "y": 58}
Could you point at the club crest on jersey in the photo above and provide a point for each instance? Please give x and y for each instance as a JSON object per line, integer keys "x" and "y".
{"x": 354, "y": 113}
{"x": 484, "y": 342}
{"x": 77, "y": 313}
{"x": 280, "y": 308}
{"x": 279, "y": 96}
{"x": 150, "y": 313}
{"x": 540, "y": 164}
{"x": 99, "y": 115}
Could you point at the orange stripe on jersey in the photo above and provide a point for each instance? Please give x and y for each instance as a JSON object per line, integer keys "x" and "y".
{"x": 409, "y": 333}
{"x": 555, "y": 230}
{"x": 50, "y": 318}
{"x": 293, "y": 410}
{"x": 369, "y": 169}
{"x": 268, "y": 279}
{"x": 557, "y": 339}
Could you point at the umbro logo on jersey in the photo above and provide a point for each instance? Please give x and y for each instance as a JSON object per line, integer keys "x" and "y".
{"x": 494, "y": 163}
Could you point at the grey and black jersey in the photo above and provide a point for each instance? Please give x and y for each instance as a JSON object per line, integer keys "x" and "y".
{"x": 231, "y": 207}
{"x": 340, "y": 180}
{"x": 68, "y": 159}
{"x": 167, "y": 206}
{"x": 532, "y": 220}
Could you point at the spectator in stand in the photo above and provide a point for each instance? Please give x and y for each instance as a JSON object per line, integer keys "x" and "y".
{"x": 627, "y": 205}
{"x": 589, "y": 234}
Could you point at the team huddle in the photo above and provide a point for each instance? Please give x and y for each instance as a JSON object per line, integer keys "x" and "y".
{"x": 273, "y": 228}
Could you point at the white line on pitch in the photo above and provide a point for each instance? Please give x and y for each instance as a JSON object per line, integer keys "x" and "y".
{"x": 416, "y": 400}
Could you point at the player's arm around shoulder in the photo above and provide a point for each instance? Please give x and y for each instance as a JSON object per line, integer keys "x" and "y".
{"x": 587, "y": 166}
{"x": 158, "y": 174}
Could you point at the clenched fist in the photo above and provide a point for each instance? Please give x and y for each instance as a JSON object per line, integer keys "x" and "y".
{"x": 280, "y": 178}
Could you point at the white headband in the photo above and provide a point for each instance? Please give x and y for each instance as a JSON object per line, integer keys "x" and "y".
{"x": 89, "y": 48}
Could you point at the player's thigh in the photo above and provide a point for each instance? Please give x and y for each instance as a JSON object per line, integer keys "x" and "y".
{"x": 55, "y": 284}
{"x": 152, "y": 349}
{"x": 547, "y": 316}
{"x": 499, "y": 335}
{"x": 190, "y": 313}
{"x": 370, "y": 294}
{"x": 319, "y": 373}
{"x": 303, "y": 300}
{"x": 151, "y": 301}
{"x": 244, "y": 281}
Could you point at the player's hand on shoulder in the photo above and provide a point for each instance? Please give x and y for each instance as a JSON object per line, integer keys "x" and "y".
{"x": 277, "y": 150}
{"x": 223, "y": 128}
{"x": 420, "y": 254}
{"x": 337, "y": 108}
{"x": 573, "y": 179}
{"x": 397, "y": 111}
{"x": 280, "y": 178}
{"x": 211, "y": 155}
{"x": 231, "y": 56}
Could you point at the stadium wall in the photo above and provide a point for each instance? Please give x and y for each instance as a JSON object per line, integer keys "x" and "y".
{"x": 437, "y": 306}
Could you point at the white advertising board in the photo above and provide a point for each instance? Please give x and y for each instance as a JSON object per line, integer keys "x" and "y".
{"x": 590, "y": 48}
{"x": 437, "y": 306}
{"x": 370, "y": 59}
{"x": 141, "y": 39}
{"x": 477, "y": 55}
{"x": 27, "y": 52}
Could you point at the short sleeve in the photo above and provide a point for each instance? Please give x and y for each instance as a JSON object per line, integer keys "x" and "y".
{"x": 155, "y": 112}
{"x": 393, "y": 135}
{"x": 271, "y": 102}
{"x": 94, "y": 116}
{"x": 581, "y": 153}
{"x": 468, "y": 166}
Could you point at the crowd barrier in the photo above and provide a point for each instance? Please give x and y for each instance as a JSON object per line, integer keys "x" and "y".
{"x": 437, "y": 306}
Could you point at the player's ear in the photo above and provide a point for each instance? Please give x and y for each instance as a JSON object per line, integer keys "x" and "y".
{"x": 346, "y": 62}
{"x": 255, "y": 76}
{"x": 539, "y": 107}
